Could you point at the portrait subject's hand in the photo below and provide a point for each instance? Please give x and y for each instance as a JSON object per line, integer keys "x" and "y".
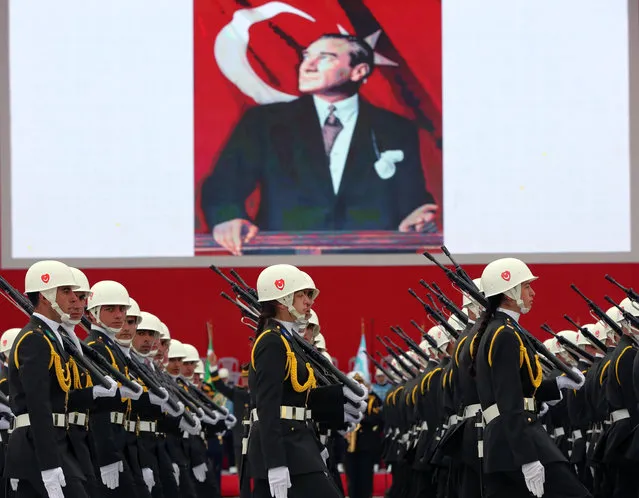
{"x": 418, "y": 219}
{"x": 229, "y": 234}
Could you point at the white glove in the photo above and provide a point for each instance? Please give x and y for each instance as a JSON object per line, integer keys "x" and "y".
{"x": 157, "y": 400}
{"x": 279, "y": 480}
{"x": 5, "y": 425}
{"x": 354, "y": 410}
{"x": 147, "y": 475}
{"x": 127, "y": 393}
{"x": 535, "y": 476}
{"x": 54, "y": 481}
{"x": 176, "y": 473}
{"x": 100, "y": 391}
{"x": 200, "y": 472}
{"x": 544, "y": 410}
{"x": 353, "y": 419}
{"x": 173, "y": 413}
{"x": 354, "y": 397}
{"x": 194, "y": 430}
{"x": 5, "y": 409}
{"x": 230, "y": 421}
{"x": 111, "y": 474}
{"x": 14, "y": 483}
{"x": 209, "y": 420}
{"x": 565, "y": 382}
{"x": 324, "y": 455}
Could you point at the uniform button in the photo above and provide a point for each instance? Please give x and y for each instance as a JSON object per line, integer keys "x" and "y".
{"x": 529, "y": 420}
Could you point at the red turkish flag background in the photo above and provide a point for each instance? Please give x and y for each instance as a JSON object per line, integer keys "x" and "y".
{"x": 410, "y": 37}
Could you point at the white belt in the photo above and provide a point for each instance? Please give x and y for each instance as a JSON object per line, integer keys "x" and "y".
{"x": 618, "y": 415}
{"x": 559, "y": 431}
{"x": 246, "y": 422}
{"x": 59, "y": 420}
{"x": 452, "y": 420}
{"x": 146, "y": 426}
{"x": 298, "y": 413}
{"x": 424, "y": 426}
{"x": 576, "y": 434}
{"x": 471, "y": 410}
{"x": 492, "y": 412}
{"x": 117, "y": 418}
{"x": 77, "y": 418}
{"x": 130, "y": 426}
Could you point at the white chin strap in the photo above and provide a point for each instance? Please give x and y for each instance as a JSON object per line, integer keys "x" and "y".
{"x": 50, "y": 295}
{"x": 515, "y": 294}
{"x": 125, "y": 343}
{"x": 300, "y": 318}
{"x": 96, "y": 314}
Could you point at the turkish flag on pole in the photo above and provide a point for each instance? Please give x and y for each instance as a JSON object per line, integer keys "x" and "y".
{"x": 247, "y": 53}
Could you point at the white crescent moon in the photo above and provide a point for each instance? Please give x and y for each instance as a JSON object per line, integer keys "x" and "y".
{"x": 230, "y": 51}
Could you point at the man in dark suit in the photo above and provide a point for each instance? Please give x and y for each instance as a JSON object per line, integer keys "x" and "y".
{"x": 326, "y": 161}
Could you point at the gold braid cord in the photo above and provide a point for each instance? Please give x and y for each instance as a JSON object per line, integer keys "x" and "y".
{"x": 291, "y": 371}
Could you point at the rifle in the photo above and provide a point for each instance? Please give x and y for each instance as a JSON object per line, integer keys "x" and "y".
{"x": 399, "y": 361}
{"x": 630, "y": 293}
{"x": 601, "y": 314}
{"x": 452, "y": 307}
{"x": 381, "y": 368}
{"x": 432, "y": 342}
{"x": 629, "y": 317}
{"x": 403, "y": 353}
{"x": 437, "y": 316}
{"x": 569, "y": 345}
{"x": 320, "y": 362}
{"x": 410, "y": 343}
{"x": 458, "y": 269}
{"x": 471, "y": 289}
{"x": 589, "y": 335}
{"x": 397, "y": 373}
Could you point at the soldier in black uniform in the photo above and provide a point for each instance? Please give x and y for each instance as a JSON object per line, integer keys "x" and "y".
{"x": 108, "y": 305}
{"x": 363, "y": 447}
{"x": 519, "y": 456}
{"x": 6, "y": 343}
{"x": 284, "y": 452}
{"x": 39, "y": 452}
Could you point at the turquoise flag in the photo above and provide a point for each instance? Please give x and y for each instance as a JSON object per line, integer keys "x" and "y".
{"x": 361, "y": 360}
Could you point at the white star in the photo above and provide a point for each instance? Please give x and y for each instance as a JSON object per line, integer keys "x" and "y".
{"x": 372, "y": 39}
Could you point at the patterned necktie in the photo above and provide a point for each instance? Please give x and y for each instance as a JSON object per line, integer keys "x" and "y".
{"x": 332, "y": 127}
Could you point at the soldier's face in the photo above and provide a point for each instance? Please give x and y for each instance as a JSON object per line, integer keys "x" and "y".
{"x": 188, "y": 368}
{"x": 144, "y": 340}
{"x": 128, "y": 329}
{"x": 77, "y": 310}
{"x": 113, "y": 315}
{"x": 175, "y": 366}
{"x": 326, "y": 67}
{"x": 527, "y": 295}
{"x": 66, "y": 299}
{"x": 302, "y": 301}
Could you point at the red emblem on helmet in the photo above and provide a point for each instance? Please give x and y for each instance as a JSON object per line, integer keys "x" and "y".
{"x": 45, "y": 278}
{"x": 4, "y": 342}
{"x": 279, "y": 283}
{"x": 505, "y": 275}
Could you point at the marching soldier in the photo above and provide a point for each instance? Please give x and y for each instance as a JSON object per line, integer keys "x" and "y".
{"x": 39, "y": 453}
{"x": 519, "y": 456}
{"x": 284, "y": 453}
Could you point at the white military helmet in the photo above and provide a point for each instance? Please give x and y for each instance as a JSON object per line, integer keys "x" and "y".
{"x": 199, "y": 369}
{"x": 426, "y": 347}
{"x": 45, "y": 277}
{"x": 176, "y": 350}
{"x": 310, "y": 285}
{"x": 148, "y": 321}
{"x": 81, "y": 280}
{"x": 553, "y": 346}
{"x": 466, "y": 300}
{"x": 505, "y": 276}
{"x": 191, "y": 353}
{"x": 570, "y": 335}
{"x": 223, "y": 373}
{"x": 582, "y": 340}
{"x": 280, "y": 283}
{"x": 165, "y": 335}
{"x": 454, "y": 322}
{"x": 630, "y": 306}
{"x": 440, "y": 336}
{"x": 107, "y": 293}
{"x": 313, "y": 321}
{"x": 48, "y": 275}
{"x": 327, "y": 355}
{"x": 7, "y": 339}
{"x": 319, "y": 342}
{"x": 134, "y": 310}
{"x": 378, "y": 373}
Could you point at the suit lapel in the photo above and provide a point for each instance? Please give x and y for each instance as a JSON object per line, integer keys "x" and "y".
{"x": 49, "y": 334}
{"x": 312, "y": 154}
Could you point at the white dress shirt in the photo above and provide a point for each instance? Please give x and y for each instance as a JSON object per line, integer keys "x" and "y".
{"x": 346, "y": 111}
{"x": 52, "y": 325}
